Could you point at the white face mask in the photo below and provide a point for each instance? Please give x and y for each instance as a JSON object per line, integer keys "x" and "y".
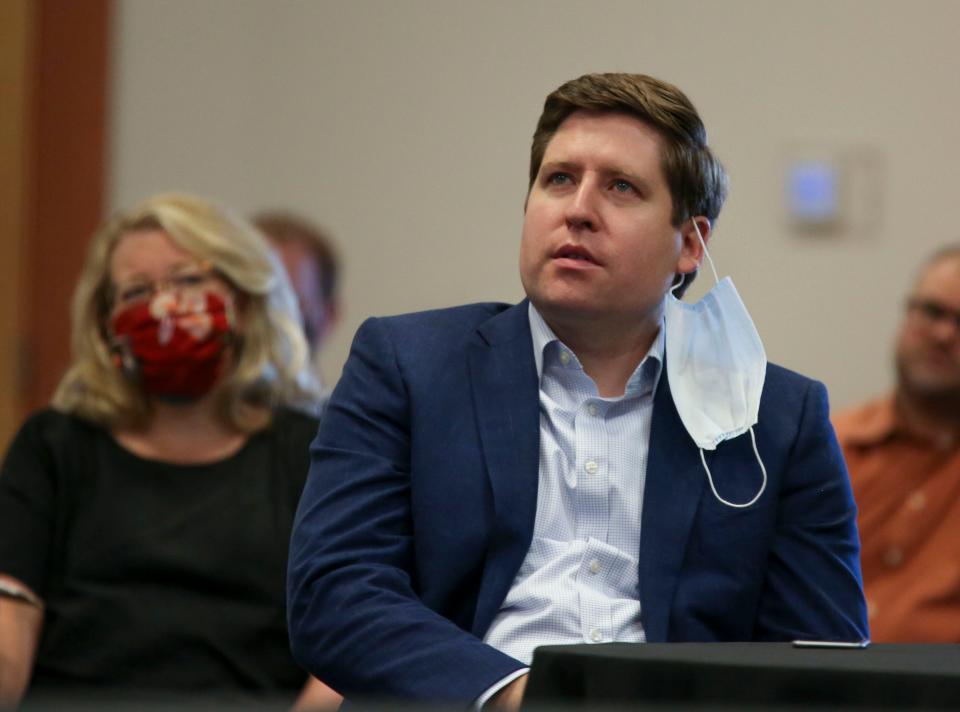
{"x": 716, "y": 366}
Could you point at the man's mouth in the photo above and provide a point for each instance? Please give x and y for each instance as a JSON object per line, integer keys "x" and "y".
{"x": 575, "y": 252}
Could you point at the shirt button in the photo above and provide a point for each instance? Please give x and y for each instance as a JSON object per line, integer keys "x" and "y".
{"x": 591, "y": 467}
{"x": 593, "y": 410}
{"x": 595, "y": 566}
{"x": 893, "y": 556}
{"x": 564, "y": 358}
{"x": 916, "y": 501}
{"x": 596, "y": 636}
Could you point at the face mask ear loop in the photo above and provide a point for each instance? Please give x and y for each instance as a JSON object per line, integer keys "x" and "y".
{"x": 679, "y": 283}
{"x": 763, "y": 470}
{"x": 706, "y": 252}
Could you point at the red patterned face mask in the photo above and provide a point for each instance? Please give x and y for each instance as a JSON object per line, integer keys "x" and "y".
{"x": 174, "y": 343}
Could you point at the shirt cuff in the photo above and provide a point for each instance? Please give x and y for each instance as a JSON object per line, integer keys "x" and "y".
{"x": 496, "y": 687}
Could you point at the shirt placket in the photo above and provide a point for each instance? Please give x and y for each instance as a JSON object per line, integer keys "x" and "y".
{"x": 593, "y": 519}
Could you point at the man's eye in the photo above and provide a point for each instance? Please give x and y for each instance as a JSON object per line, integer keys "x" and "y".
{"x": 934, "y": 311}
{"x": 558, "y": 179}
{"x": 622, "y": 186}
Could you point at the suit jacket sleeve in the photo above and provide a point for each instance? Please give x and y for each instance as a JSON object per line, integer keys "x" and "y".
{"x": 813, "y": 587}
{"x": 356, "y": 621}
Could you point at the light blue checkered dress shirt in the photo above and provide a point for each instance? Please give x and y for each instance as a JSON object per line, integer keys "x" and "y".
{"x": 579, "y": 582}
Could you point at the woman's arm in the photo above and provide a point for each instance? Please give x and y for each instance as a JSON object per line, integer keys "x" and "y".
{"x": 21, "y": 618}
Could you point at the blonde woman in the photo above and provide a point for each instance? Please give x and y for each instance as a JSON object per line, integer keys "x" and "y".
{"x": 145, "y": 517}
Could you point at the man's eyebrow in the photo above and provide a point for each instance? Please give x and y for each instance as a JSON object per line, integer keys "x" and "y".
{"x": 637, "y": 181}
{"x": 612, "y": 169}
{"x": 550, "y": 166}
{"x": 609, "y": 171}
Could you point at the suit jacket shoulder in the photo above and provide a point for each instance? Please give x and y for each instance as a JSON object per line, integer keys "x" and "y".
{"x": 444, "y": 330}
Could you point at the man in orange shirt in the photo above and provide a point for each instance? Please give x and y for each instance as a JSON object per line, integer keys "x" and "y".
{"x": 903, "y": 452}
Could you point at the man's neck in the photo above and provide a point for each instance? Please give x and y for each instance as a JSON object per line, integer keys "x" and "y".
{"x": 934, "y": 417}
{"x": 609, "y": 351}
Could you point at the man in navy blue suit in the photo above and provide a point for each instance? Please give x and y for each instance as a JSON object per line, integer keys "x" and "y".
{"x": 597, "y": 463}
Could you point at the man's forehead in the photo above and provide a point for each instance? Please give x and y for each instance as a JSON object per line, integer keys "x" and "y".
{"x": 622, "y": 141}
{"x": 940, "y": 278}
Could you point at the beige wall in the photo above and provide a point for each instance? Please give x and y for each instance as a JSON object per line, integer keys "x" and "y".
{"x": 404, "y": 127}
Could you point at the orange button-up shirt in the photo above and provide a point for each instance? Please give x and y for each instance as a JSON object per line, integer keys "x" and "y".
{"x": 907, "y": 488}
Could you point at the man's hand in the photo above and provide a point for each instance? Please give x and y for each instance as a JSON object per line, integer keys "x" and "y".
{"x": 316, "y": 697}
{"x": 509, "y": 698}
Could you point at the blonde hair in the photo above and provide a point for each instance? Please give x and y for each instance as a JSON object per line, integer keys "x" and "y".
{"x": 270, "y": 357}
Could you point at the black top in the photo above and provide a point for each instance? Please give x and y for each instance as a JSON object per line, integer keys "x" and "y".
{"x": 155, "y": 575}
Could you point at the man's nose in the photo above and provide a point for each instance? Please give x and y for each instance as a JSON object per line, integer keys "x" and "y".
{"x": 582, "y": 209}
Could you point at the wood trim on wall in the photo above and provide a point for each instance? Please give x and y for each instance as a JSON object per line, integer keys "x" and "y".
{"x": 68, "y": 83}
{"x": 16, "y": 31}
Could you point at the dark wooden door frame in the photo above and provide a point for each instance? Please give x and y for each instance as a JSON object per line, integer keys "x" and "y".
{"x": 65, "y": 178}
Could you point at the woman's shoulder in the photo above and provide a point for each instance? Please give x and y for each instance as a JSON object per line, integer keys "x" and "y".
{"x": 54, "y": 428}
{"x": 294, "y": 425}
{"x": 53, "y": 442}
{"x": 288, "y": 437}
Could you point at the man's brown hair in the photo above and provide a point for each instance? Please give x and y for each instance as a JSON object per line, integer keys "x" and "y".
{"x": 281, "y": 226}
{"x": 697, "y": 181}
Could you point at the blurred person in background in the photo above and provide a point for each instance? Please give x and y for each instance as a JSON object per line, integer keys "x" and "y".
{"x": 145, "y": 516}
{"x": 903, "y": 452}
{"x": 311, "y": 261}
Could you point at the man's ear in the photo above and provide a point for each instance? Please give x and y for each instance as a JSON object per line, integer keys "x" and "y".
{"x": 691, "y": 245}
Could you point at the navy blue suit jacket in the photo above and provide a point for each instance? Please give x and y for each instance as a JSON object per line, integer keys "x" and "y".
{"x": 420, "y": 506}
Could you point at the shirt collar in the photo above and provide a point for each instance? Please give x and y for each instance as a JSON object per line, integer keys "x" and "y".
{"x": 543, "y": 336}
{"x": 872, "y": 423}
{"x": 881, "y": 420}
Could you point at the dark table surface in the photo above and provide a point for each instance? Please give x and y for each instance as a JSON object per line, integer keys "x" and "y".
{"x": 737, "y": 675}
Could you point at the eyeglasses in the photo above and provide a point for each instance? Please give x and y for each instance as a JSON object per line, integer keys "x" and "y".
{"x": 186, "y": 279}
{"x": 931, "y": 313}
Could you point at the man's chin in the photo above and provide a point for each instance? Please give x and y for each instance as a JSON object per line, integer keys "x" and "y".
{"x": 570, "y": 308}
{"x": 931, "y": 387}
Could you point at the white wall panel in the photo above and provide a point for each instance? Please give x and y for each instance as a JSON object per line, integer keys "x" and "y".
{"x": 404, "y": 128}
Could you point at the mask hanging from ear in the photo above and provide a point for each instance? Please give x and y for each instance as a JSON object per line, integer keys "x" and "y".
{"x": 716, "y": 365}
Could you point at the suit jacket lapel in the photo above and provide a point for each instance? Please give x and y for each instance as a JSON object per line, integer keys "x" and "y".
{"x": 674, "y": 484}
{"x": 506, "y": 401}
